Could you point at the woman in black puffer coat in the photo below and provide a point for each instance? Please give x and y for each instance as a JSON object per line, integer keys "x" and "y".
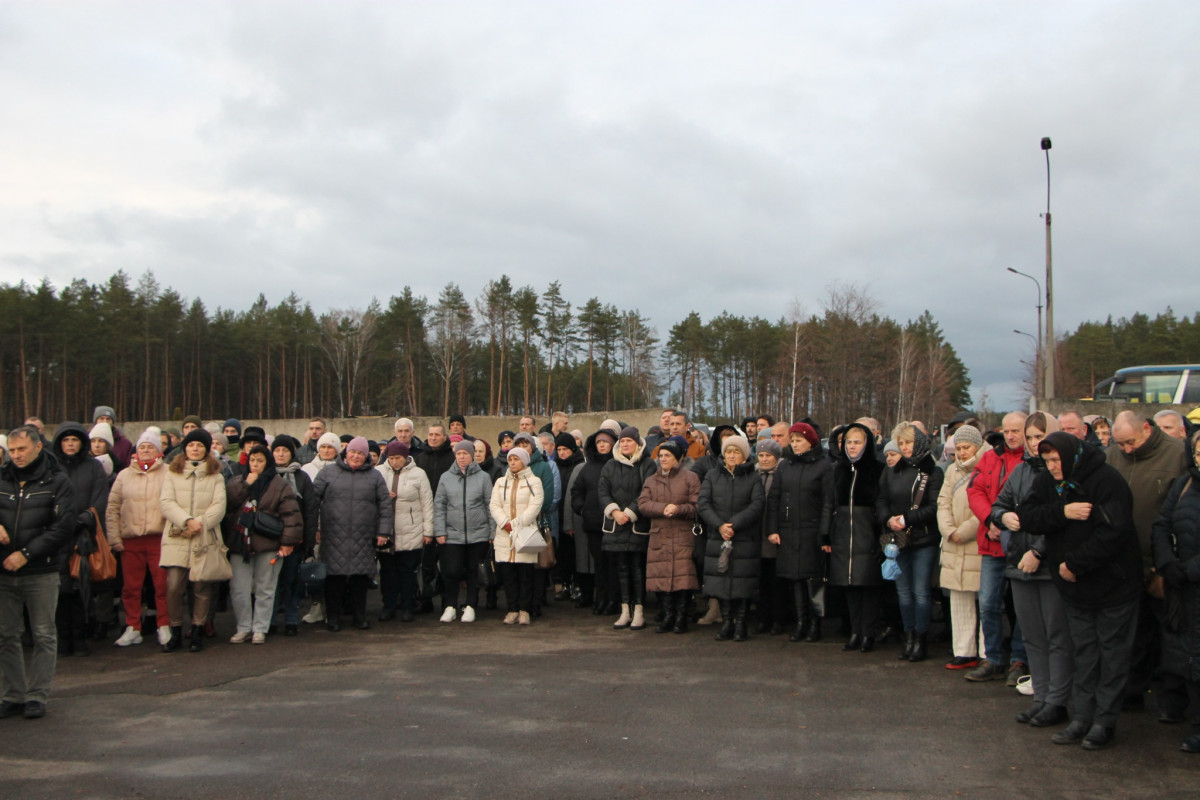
{"x": 732, "y": 503}
{"x": 626, "y": 533}
{"x": 907, "y": 499}
{"x": 1084, "y": 508}
{"x": 851, "y": 535}
{"x": 1176, "y": 542}
{"x": 797, "y": 515}
{"x": 598, "y": 587}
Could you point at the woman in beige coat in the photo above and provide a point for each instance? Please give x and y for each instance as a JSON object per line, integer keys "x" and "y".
{"x": 193, "y": 502}
{"x": 516, "y": 501}
{"x": 961, "y": 562}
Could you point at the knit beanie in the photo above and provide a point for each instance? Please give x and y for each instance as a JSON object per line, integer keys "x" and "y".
{"x": 103, "y": 411}
{"x": 630, "y": 432}
{"x": 769, "y": 446}
{"x": 288, "y": 441}
{"x": 524, "y": 437}
{"x": 607, "y": 434}
{"x": 101, "y": 430}
{"x": 459, "y": 418}
{"x": 192, "y": 418}
{"x": 221, "y": 439}
{"x": 149, "y": 436}
{"x": 331, "y": 439}
{"x": 521, "y": 454}
{"x": 612, "y": 426}
{"x": 968, "y": 434}
{"x": 566, "y": 440}
{"x": 373, "y": 447}
{"x": 504, "y": 435}
{"x": 397, "y": 449}
{"x": 236, "y": 424}
{"x": 738, "y": 441}
{"x": 199, "y": 435}
{"x": 676, "y": 446}
{"x": 463, "y": 444}
{"x": 358, "y": 444}
{"x": 891, "y": 447}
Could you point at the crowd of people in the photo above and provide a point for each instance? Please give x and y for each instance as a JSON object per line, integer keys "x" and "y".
{"x": 1061, "y": 554}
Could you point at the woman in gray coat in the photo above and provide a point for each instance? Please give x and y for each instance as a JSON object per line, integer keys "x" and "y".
{"x": 462, "y": 524}
{"x": 355, "y": 509}
{"x": 732, "y": 503}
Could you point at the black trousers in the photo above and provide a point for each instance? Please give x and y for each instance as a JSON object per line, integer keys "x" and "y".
{"x": 863, "y": 605}
{"x": 631, "y": 577}
{"x": 1103, "y": 642}
{"x": 518, "y": 585}
{"x": 604, "y": 580}
{"x": 398, "y": 579}
{"x": 459, "y": 562}
{"x": 339, "y": 588}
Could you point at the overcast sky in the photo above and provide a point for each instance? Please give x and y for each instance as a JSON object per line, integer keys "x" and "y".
{"x": 664, "y": 156}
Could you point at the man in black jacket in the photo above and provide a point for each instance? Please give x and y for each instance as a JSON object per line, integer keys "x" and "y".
{"x": 435, "y": 459}
{"x": 37, "y": 520}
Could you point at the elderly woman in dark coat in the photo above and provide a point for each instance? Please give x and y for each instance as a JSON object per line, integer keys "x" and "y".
{"x": 626, "y": 534}
{"x": 907, "y": 500}
{"x": 732, "y": 503}
{"x": 598, "y": 588}
{"x": 1084, "y": 508}
{"x": 797, "y": 516}
{"x": 851, "y": 535}
{"x": 355, "y": 510}
{"x": 668, "y": 499}
{"x": 1176, "y": 545}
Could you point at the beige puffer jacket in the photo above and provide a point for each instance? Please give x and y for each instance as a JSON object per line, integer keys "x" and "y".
{"x": 133, "y": 503}
{"x": 413, "y": 504}
{"x": 198, "y": 491}
{"x": 961, "y": 563}
{"x": 528, "y": 490}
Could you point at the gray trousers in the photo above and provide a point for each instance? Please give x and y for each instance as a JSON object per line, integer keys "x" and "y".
{"x": 1043, "y": 618}
{"x": 1103, "y": 642}
{"x": 38, "y": 593}
{"x": 256, "y": 577}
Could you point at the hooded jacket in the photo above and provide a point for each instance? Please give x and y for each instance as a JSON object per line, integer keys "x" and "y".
{"x": 714, "y": 457}
{"x": 852, "y": 532}
{"x": 585, "y": 490}
{"x": 1102, "y": 551}
{"x": 196, "y": 492}
{"x": 1176, "y": 537}
{"x": 86, "y": 476}
{"x": 523, "y": 490}
{"x": 619, "y": 488}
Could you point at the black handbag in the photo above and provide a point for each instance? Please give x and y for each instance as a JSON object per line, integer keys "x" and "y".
{"x": 265, "y": 525}
{"x": 312, "y": 578}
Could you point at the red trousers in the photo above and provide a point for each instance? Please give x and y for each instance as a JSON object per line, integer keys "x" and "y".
{"x": 141, "y": 554}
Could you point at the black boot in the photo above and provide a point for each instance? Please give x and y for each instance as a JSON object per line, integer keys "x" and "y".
{"x": 666, "y": 601}
{"x": 920, "y": 650}
{"x": 682, "y": 601}
{"x": 661, "y": 616}
{"x": 853, "y": 643}
{"x": 741, "y": 607}
{"x": 196, "y": 643}
{"x": 491, "y": 597}
{"x": 176, "y": 640}
{"x": 726, "y": 631}
{"x": 803, "y": 611}
{"x": 814, "y": 630}
{"x": 910, "y": 644}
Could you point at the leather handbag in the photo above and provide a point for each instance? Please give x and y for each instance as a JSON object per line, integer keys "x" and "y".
{"x": 527, "y": 540}
{"x": 546, "y": 557}
{"x": 268, "y": 526}
{"x": 312, "y": 577}
{"x": 210, "y": 558}
{"x": 102, "y": 564}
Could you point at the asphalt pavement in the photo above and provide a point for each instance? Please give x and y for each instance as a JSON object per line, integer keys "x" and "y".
{"x": 565, "y": 708}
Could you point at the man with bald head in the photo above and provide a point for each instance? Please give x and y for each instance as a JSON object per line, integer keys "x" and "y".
{"x": 1149, "y": 461}
{"x": 987, "y": 480}
{"x": 1071, "y": 422}
{"x": 1171, "y": 423}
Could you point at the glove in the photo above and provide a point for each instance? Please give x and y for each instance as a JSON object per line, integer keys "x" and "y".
{"x": 1174, "y": 574}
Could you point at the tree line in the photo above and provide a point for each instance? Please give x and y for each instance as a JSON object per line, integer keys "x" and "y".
{"x": 153, "y": 354}
{"x": 1095, "y": 350}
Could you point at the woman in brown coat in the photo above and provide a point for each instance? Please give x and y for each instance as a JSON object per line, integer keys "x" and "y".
{"x": 669, "y": 499}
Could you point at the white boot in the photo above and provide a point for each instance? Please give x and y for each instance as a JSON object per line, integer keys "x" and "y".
{"x": 164, "y": 634}
{"x": 713, "y": 614}
{"x": 639, "y": 619}
{"x": 623, "y": 620}
{"x": 315, "y": 614}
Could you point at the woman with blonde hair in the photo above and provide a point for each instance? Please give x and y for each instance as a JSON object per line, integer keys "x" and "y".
{"x": 961, "y": 562}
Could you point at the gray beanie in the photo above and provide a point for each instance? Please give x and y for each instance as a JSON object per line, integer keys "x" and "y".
{"x": 968, "y": 434}
{"x": 103, "y": 411}
{"x": 891, "y": 446}
{"x": 767, "y": 446}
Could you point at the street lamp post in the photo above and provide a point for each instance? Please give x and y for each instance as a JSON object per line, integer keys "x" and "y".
{"x": 1037, "y": 363}
{"x": 1049, "y": 379}
{"x": 1039, "y": 379}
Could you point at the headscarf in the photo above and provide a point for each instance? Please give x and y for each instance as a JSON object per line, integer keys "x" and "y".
{"x": 921, "y": 447}
{"x": 1070, "y": 450}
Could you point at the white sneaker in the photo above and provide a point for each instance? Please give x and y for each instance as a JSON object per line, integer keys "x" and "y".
{"x": 315, "y": 614}
{"x": 131, "y": 636}
{"x": 450, "y": 614}
{"x": 164, "y": 634}
{"x": 468, "y": 614}
{"x": 240, "y": 637}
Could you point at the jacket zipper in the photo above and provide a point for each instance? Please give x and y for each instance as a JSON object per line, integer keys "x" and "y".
{"x": 850, "y": 564}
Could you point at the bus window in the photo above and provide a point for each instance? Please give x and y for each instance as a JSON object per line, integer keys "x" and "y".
{"x": 1161, "y": 388}
{"x": 1191, "y": 392}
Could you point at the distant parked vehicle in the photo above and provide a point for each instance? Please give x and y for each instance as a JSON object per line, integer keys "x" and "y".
{"x": 1155, "y": 383}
